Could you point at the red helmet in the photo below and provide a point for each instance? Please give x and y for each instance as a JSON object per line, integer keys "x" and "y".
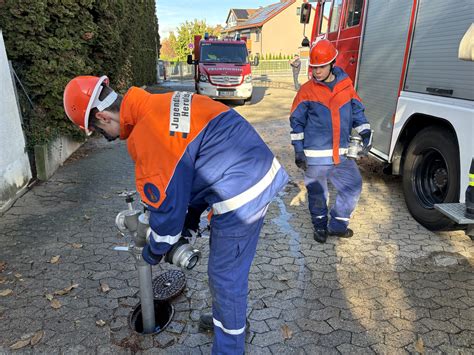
{"x": 81, "y": 95}
{"x": 322, "y": 53}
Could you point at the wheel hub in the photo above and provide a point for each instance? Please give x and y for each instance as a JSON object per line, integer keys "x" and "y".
{"x": 440, "y": 177}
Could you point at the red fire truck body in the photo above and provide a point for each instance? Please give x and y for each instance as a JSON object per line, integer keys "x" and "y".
{"x": 222, "y": 68}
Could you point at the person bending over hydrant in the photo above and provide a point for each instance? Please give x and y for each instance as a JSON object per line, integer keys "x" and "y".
{"x": 191, "y": 152}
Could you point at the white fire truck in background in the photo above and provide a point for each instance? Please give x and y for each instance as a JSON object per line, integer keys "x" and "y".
{"x": 419, "y": 96}
{"x": 222, "y": 68}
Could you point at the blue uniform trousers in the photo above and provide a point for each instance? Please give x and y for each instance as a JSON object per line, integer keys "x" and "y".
{"x": 230, "y": 259}
{"x": 347, "y": 180}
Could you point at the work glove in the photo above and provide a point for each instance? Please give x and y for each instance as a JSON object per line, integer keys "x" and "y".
{"x": 149, "y": 257}
{"x": 193, "y": 217}
{"x": 189, "y": 233}
{"x": 301, "y": 161}
{"x": 366, "y": 141}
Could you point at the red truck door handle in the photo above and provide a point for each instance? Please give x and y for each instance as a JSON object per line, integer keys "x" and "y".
{"x": 352, "y": 60}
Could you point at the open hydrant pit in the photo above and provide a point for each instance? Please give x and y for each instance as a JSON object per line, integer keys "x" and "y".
{"x": 164, "y": 312}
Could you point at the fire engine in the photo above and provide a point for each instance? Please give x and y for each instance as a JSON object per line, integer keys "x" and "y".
{"x": 222, "y": 68}
{"x": 419, "y": 96}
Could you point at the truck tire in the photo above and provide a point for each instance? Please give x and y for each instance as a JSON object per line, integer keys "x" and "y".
{"x": 431, "y": 175}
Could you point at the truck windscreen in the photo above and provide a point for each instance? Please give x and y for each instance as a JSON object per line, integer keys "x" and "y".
{"x": 224, "y": 53}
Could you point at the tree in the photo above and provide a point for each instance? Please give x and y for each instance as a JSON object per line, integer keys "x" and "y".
{"x": 49, "y": 42}
{"x": 167, "y": 49}
{"x": 186, "y": 32}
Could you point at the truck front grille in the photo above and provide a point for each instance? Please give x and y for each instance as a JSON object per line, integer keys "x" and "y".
{"x": 225, "y": 79}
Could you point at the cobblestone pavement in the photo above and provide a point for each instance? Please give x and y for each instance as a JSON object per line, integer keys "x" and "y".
{"x": 393, "y": 288}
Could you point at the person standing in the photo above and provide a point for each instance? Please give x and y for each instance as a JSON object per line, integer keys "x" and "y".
{"x": 323, "y": 114}
{"x": 295, "y": 64}
{"x": 191, "y": 153}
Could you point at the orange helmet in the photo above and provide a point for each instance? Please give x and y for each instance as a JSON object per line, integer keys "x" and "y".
{"x": 322, "y": 53}
{"x": 81, "y": 95}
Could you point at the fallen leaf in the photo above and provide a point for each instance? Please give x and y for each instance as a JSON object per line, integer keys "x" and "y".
{"x": 27, "y": 336}
{"x": 3, "y": 279}
{"x": 18, "y": 275}
{"x": 286, "y": 332}
{"x": 104, "y": 287}
{"x": 55, "y": 259}
{"x": 420, "y": 346}
{"x": 6, "y": 292}
{"x": 20, "y": 344}
{"x": 300, "y": 197}
{"x": 86, "y": 217}
{"x": 56, "y": 304}
{"x": 76, "y": 245}
{"x": 3, "y": 265}
{"x": 66, "y": 290}
{"x": 37, "y": 337}
{"x": 49, "y": 297}
{"x": 100, "y": 323}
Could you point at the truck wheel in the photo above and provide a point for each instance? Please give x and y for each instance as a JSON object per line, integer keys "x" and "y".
{"x": 431, "y": 175}
{"x": 248, "y": 101}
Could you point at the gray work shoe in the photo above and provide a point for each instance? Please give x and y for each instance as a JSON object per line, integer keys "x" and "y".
{"x": 206, "y": 323}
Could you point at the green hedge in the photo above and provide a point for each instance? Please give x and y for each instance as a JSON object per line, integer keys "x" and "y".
{"x": 51, "y": 41}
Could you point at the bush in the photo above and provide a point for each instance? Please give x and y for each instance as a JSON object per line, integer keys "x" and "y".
{"x": 49, "y": 42}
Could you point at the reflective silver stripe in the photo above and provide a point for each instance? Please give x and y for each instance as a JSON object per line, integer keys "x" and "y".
{"x": 109, "y": 100}
{"x": 297, "y": 136}
{"x": 343, "y": 219}
{"x": 249, "y": 194}
{"x": 323, "y": 153}
{"x": 321, "y": 217}
{"x": 170, "y": 239}
{"x": 362, "y": 127}
{"x": 228, "y": 331}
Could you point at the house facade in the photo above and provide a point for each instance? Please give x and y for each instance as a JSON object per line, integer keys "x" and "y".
{"x": 274, "y": 29}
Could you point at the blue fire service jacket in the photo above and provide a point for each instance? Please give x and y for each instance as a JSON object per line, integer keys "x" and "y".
{"x": 192, "y": 151}
{"x": 322, "y": 120}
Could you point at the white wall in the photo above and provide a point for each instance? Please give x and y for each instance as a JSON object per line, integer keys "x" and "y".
{"x": 15, "y": 171}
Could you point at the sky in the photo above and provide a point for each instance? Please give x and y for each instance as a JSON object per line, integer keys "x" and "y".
{"x": 171, "y": 13}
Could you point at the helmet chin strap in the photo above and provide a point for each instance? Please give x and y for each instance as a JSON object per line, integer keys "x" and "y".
{"x": 104, "y": 133}
{"x": 326, "y": 78}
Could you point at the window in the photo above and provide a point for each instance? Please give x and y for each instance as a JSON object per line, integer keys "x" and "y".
{"x": 257, "y": 36}
{"x": 298, "y": 11}
{"x": 223, "y": 53}
{"x": 354, "y": 10}
{"x": 326, "y": 10}
{"x": 335, "y": 16}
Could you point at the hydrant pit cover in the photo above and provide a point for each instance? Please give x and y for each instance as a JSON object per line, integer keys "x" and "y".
{"x": 168, "y": 285}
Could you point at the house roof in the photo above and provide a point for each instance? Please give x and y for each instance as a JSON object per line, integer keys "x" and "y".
{"x": 241, "y": 14}
{"x": 262, "y": 15}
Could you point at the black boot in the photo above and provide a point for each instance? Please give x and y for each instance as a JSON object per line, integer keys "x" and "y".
{"x": 346, "y": 234}
{"x": 206, "y": 323}
{"x": 320, "y": 235}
